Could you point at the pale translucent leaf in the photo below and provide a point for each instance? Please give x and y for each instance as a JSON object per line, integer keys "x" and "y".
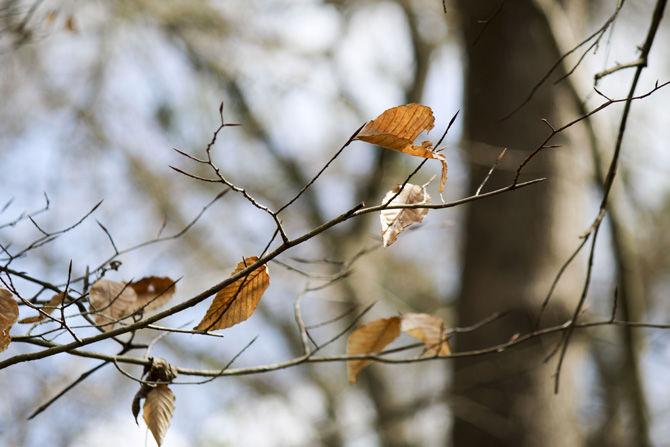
{"x": 49, "y": 307}
{"x": 369, "y": 339}
{"x": 237, "y": 301}
{"x": 9, "y": 313}
{"x": 394, "y": 221}
{"x": 111, "y": 301}
{"x": 398, "y": 127}
{"x": 429, "y": 330}
{"x": 159, "y": 407}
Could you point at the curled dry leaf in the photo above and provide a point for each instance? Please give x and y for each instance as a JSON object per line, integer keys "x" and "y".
{"x": 112, "y": 301}
{"x": 9, "y": 313}
{"x": 429, "y": 330}
{"x": 398, "y": 127}
{"x": 237, "y": 301}
{"x": 394, "y": 221}
{"x": 49, "y": 307}
{"x": 159, "y": 407}
{"x": 369, "y": 339}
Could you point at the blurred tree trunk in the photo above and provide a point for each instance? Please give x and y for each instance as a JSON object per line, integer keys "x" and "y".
{"x": 514, "y": 244}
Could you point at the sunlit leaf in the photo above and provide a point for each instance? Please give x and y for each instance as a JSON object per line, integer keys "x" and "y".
{"x": 9, "y": 313}
{"x": 159, "y": 407}
{"x": 237, "y": 301}
{"x": 394, "y": 221}
{"x": 369, "y": 339}
{"x": 428, "y": 329}
{"x": 49, "y": 307}
{"x": 398, "y": 127}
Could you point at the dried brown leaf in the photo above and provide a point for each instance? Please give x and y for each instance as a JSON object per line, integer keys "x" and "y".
{"x": 429, "y": 330}
{"x": 9, "y": 313}
{"x": 369, "y": 339}
{"x": 111, "y": 301}
{"x": 398, "y": 127}
{"x": 394, "y": 221}
{"x": 237, "y": 301}
{"x": 49, "y": 307}
{"x": 159, "y": 407}
{"x": 153, "y": 291}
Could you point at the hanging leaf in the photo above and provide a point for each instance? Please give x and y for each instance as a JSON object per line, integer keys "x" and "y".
{"x": 49, "y": 307}
{"x": 9, "y": 313}
{"x": 398, "y": 127}
{"x": 159, "y": 370}
{"x": 159, "y": 404}
{"x": 369, "y": 339}
{"x": 394, "y": 221}
{"x": 237, "y": 301}
{"x": 153, "y": 291}
{"x": 429, "y": 330}
{"x": 113, "y": 301}
{"x": 159, "y": 407}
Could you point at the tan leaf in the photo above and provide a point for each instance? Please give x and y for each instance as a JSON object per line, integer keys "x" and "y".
{"x": 237, "y": 301}
{"x": 153, "y": 291}
{"x": 49, "y": 307}
{"x": 394, "y": 221}
{"x": 369, "y": 339}
{"x": 428, "y": 329}
{"x": 9, "y": 313}
{"x": 398, "y": 127}
{"x": 111, "y": 301}
{"x": 159, "y": 407}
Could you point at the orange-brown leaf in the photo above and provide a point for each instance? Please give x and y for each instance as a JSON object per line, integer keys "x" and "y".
{"x": 237, "y": 301}
{"x": 394, "y": 221}
{"x": 428, "y": 329}
{"x": 398, "y": 127}
{"x": 159, "y": 407}
{"x": 9, "y": 313}
{"x": 49, "y": 307}
{"x": 369, "y": 339}
{"x": 153, "y": 291}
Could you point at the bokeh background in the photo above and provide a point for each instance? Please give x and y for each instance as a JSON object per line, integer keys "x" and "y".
{"x": 94, "y": 96}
